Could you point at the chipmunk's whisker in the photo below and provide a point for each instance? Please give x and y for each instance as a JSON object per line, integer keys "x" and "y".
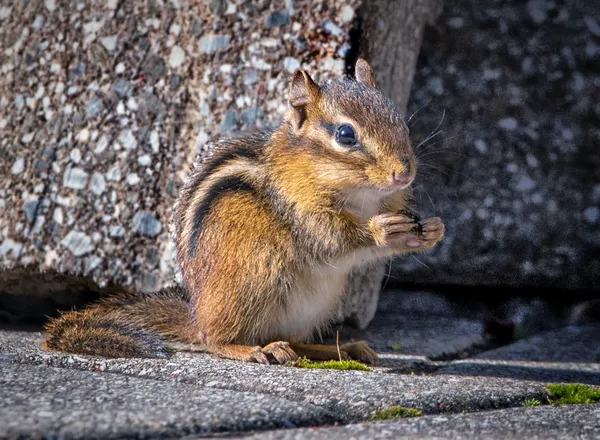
{"x": 420, "y": 262}
{"x": 432, "y": 135}
{"x": 418, "y": 110}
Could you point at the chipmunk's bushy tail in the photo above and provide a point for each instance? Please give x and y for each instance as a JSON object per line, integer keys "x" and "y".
{"x": 127, "y": 324}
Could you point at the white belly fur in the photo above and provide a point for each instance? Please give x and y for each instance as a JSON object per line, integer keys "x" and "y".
{"x": 320, "y": 289}
{"x": 316, "y": 297}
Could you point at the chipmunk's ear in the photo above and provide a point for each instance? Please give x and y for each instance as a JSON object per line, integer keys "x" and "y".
{"x": 303, "y": 93}
{"x": 364, "y": 73}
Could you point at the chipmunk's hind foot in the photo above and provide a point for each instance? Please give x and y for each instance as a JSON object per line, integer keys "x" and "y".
{"x": 278, "y": 352}
{"x": 359, "y": 351}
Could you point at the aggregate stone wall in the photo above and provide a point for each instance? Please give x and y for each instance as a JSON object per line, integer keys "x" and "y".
{"x": 104, "y": 105}
{"x": 515, "y": 172}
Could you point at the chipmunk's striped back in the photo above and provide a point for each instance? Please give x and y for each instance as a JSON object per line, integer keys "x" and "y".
{"x": 232, "y": 165}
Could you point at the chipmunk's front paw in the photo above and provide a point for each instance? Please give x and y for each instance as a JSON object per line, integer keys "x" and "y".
{"x": 433, "y": 232}
{"x": 400, "y": 232}
{"x": 360, "y": 351}
{"x": 405, "y": 232}
{"x": 395, "y": 230}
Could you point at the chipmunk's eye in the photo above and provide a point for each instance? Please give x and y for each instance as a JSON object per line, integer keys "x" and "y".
{"x": 345, "y": 135}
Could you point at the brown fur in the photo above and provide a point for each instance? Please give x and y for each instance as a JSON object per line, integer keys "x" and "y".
{"x": 267, "y": 230}
{"x": 125, "y": 325}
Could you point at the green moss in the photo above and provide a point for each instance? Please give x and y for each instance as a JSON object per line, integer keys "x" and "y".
{"x": 532, "y": 402}
{"x": 572, "y": 394}
{"x": 396, "y": 347}
{"x": 331, "y": 365}
{"x": 395, "y": 412}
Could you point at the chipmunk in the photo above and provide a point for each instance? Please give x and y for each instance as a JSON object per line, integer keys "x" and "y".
{"x": 267, "y": 231}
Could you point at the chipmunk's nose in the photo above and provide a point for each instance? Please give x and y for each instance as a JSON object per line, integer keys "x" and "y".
{"x": 402, "y": 180}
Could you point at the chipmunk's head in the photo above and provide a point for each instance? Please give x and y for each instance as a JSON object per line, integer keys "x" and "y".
{"x": 354, "y": 134}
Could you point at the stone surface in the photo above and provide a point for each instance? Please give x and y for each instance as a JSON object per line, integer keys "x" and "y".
{"x": 545, "y": 372}
{"x": 514, "y": 90}
{"x": 566, "y": 422}
{"x": 570, "y": 354}
{"x": 196, "y": 394}
{"x": 106, "y": 104}
{"x": 134, "y": 397}
{"x": 42, "y": 402}
{"x": 420, "y": 324}
{"x": 350, "y": 395}
{"x": 568, "y": 344}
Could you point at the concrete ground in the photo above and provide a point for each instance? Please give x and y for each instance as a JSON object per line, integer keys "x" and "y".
{"x": 477, "y": 395}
